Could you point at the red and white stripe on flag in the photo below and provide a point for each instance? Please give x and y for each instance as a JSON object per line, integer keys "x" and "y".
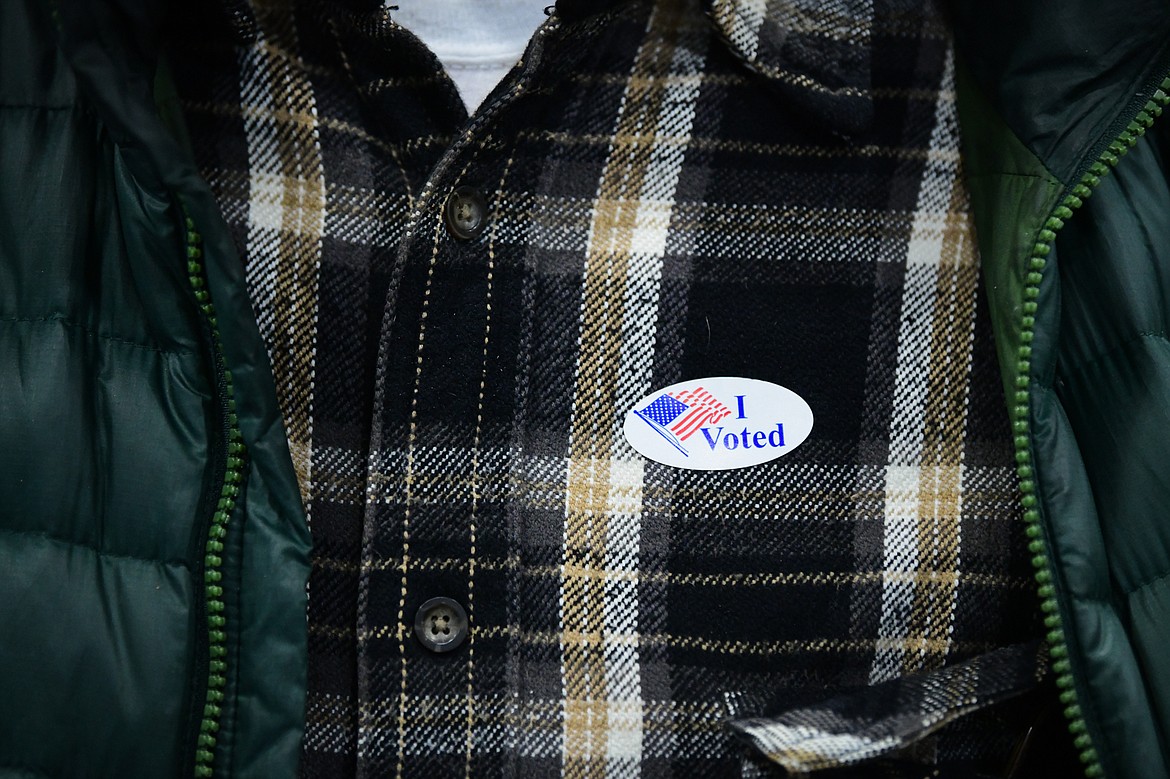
{"x": 704, "y": 409}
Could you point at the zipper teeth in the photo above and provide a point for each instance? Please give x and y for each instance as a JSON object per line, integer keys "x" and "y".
{"x": 217, "y": 530}
{"x": 1037, "y": 546}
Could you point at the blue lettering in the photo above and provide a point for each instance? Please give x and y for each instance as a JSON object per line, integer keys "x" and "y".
{"x": 710, "y": 440}
{"x": 747, "y": 439}
{"x": 776, "y": 437}
{"x": 739, "y": 400}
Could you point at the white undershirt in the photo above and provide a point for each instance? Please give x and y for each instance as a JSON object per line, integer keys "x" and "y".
{"x": 478, "y": 41}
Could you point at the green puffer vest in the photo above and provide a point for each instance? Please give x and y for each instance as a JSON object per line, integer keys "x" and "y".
{"x": 153, "y": 549}
{"x": 152, "y": 568}
{"x": 1067, "y": 164}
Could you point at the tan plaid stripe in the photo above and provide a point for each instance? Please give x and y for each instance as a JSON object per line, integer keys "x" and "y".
{"x": 924, "y": 475}
{"x": 286, "y": 204}
{"x": 630, "y": 218}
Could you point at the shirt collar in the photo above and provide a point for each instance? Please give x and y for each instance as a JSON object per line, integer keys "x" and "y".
{"x": 815, "y": 54}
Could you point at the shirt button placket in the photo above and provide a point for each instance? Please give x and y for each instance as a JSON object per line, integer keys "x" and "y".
{"x": 441, "y": 624}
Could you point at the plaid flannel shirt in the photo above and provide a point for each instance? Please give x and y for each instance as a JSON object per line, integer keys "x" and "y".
{"x": 760, "y": 189}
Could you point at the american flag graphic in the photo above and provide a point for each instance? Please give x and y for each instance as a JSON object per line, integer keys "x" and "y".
{"x": 679, "y": 415}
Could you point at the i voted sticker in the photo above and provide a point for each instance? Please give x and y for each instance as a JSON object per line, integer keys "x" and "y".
{"x": 718, "y": 423}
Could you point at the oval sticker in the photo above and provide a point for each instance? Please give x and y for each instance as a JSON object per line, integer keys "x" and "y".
{"x": 718, "y": 423}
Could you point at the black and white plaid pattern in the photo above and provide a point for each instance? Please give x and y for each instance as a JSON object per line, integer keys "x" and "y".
{"x": 668, "y": 200}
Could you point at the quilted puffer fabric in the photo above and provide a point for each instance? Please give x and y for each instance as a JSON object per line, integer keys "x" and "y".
{"x": 111, "y": 414}
{"x": 104, "y": 414}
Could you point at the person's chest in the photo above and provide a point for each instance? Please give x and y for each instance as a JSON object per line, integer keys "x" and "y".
{"x": 462, "y": 313}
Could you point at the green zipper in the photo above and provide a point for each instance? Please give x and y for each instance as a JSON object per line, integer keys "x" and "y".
{"x": 1037, "y": 546}
{"x": 233, "y": 477}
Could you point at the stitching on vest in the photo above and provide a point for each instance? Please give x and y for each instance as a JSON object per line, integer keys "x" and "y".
{"x": 1076, "y": 370}
{"x": 36, "y": 107}
{"x": 111, "y": 338}
{"x": 1148, "y": 583}
{"x": 25, "y": 769}
{"x": 94, "y": 549}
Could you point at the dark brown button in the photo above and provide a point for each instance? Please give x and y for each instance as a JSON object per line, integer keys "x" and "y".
{"x": 466, "y": 214}
{"x": 440, "y": 624}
